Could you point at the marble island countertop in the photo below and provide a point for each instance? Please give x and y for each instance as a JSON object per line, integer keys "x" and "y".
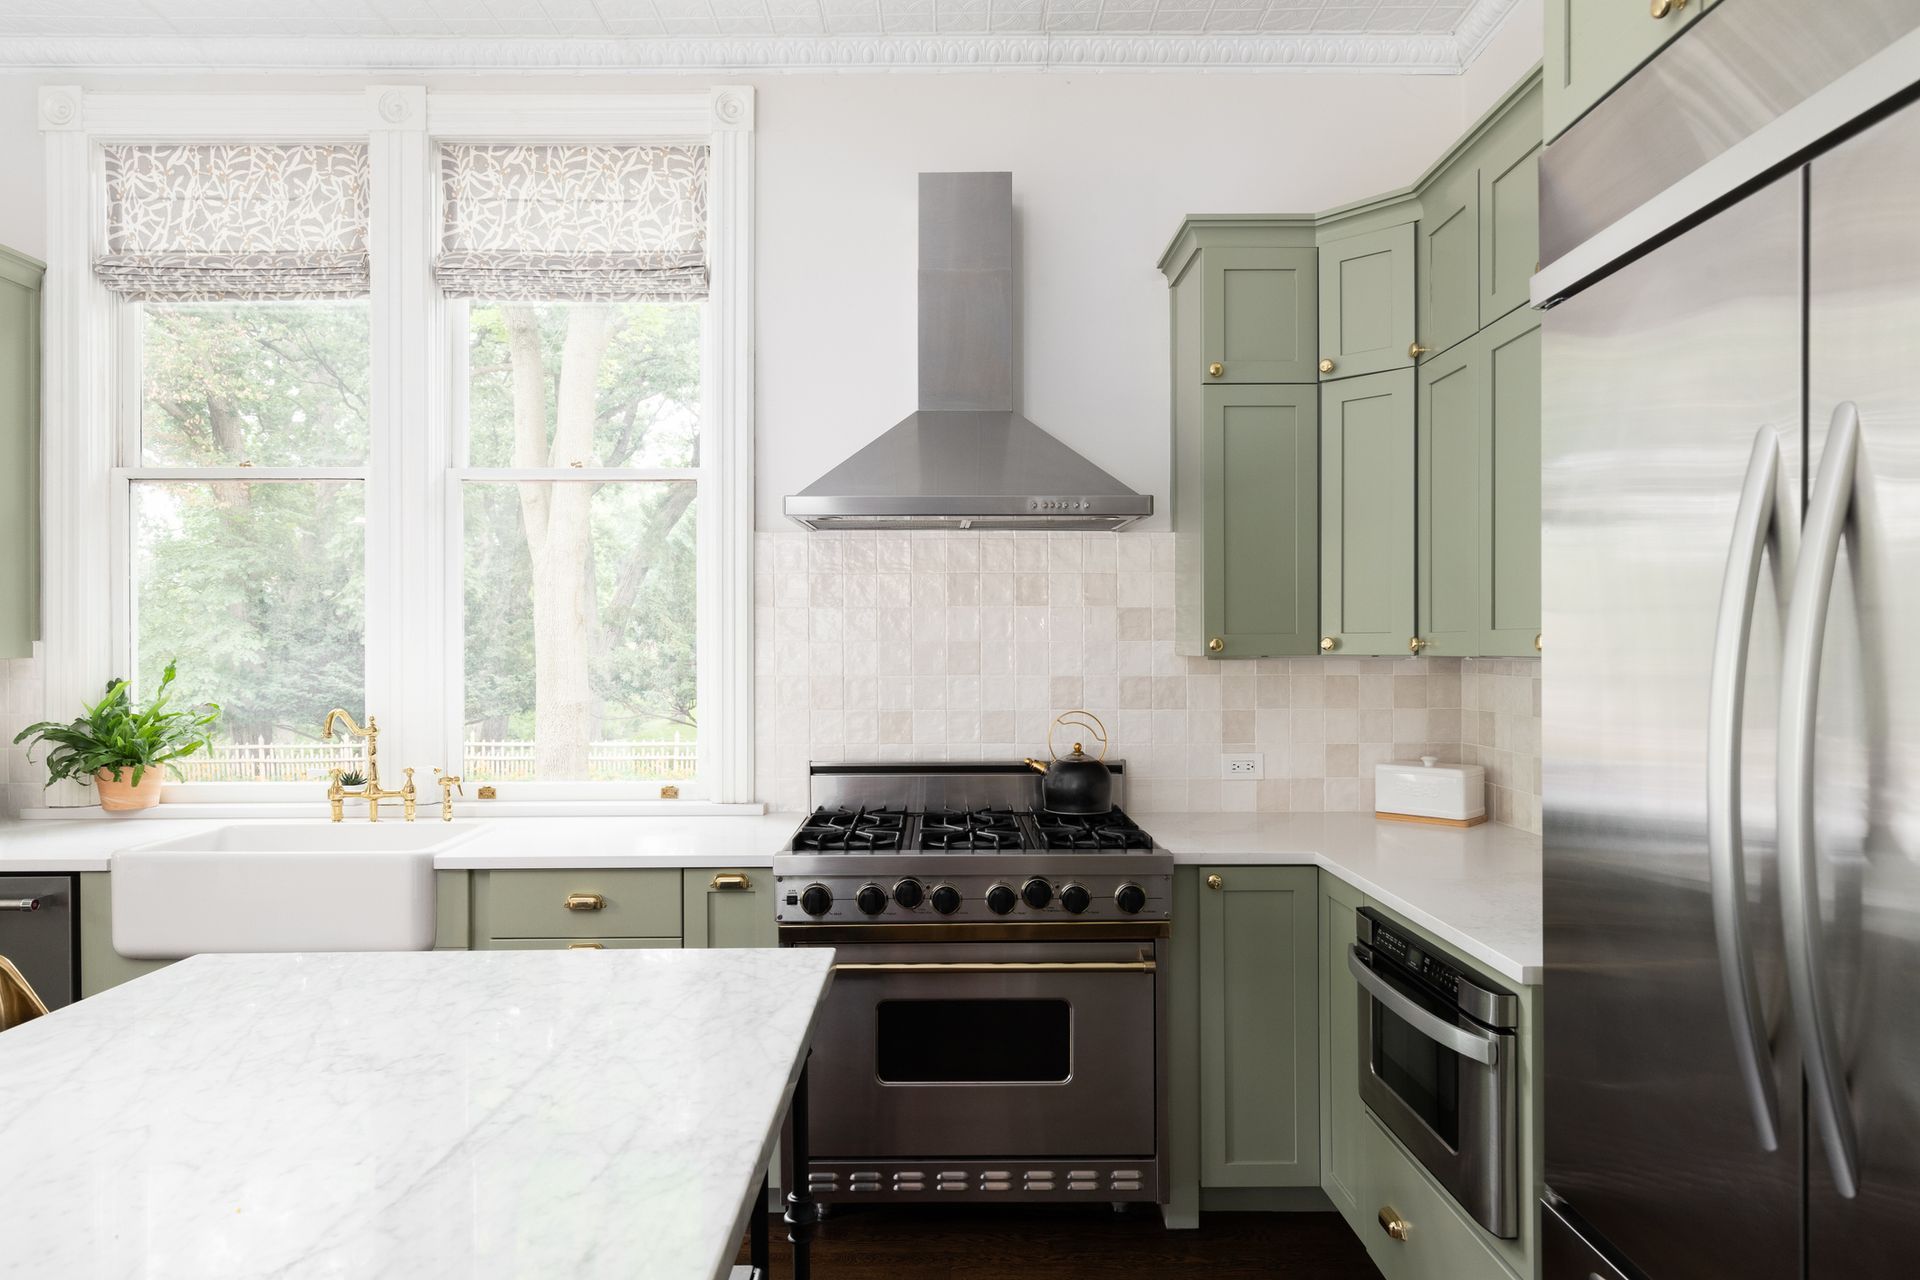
{"x": 1477, "y": 889}
{"x": 417, "y": 1115}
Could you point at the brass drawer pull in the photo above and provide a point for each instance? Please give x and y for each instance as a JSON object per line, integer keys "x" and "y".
{"x": 731, "y": 880}
{"x": 1216, "y": 644}
{"x": 1215, "y": 882}
{"x": 586, "y": 946}
{"x": 1416, "y": 350}
{"x": 1328, "y": 644}
{"x": 1215, "y": 369}
{"x": 1661, "y": 8}
{"x": 1326, "y": 364}
{"x": 1393, "y": 1224}
{"x": 585, "y": 901}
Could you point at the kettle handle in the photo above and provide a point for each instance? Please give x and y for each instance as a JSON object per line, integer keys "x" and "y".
{"x": 1077, "y": 719}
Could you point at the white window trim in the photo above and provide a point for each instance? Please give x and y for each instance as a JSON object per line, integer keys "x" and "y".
{"x": 414, "y": 674}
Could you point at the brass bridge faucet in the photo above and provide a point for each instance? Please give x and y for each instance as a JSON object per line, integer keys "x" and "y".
{"x": 373, "y": 793}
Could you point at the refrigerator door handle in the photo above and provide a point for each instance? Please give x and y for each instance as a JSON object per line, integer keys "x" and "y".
{"x": 1763, "y": 523}
{"x": 1805, "y": 635}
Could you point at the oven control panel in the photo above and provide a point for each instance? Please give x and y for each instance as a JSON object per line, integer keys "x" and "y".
{"x": 935, "y": 899}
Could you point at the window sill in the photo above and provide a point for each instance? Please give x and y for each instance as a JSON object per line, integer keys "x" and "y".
{"x": 427, "y": 809}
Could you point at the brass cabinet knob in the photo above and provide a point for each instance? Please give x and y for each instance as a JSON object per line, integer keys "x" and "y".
{"x": 1215, "y": 882}
{"x": 1326, "y": 364}
{"x": 585, "y": 901}
{"x": 1416, "y": 644}
{"x": 1393, "y": 1224}
{"x": 1215, "y": 369}
{"x": 1536, "y": 642}
{"x": 1661, "y": 8}
{"x": 1215, "y": 645}
{"x": 1415, "y": 350}
{"x": 1328, "y": 644}
{"x": 731, "y": 881}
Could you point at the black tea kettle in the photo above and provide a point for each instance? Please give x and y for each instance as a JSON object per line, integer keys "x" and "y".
{"x": 1079, "y": 783}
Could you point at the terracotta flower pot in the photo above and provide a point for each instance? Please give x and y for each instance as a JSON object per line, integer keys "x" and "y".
{"x": 121, "y": 796}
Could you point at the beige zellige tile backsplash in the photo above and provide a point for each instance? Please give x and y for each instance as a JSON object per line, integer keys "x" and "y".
{"x": 892, "y": 646}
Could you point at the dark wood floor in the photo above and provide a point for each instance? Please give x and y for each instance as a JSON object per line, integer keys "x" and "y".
{"x": 942, "y": 1242}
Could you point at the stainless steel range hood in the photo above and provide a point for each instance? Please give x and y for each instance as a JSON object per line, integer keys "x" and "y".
{"x": 965, "y": 459}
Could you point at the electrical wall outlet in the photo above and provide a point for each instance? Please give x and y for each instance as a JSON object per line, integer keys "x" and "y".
{"x": 1245, "y": 768}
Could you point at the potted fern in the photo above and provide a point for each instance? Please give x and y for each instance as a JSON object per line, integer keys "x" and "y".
{"x": 123, "y": 750}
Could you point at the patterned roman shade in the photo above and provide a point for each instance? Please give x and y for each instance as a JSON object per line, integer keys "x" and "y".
{"x": 223, "y": 220}
{"x": 586, "y": 222}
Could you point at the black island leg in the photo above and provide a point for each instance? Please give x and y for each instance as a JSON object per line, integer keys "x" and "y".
{"x": 802, "y": 1213}
{"x": 759, "y": 1255}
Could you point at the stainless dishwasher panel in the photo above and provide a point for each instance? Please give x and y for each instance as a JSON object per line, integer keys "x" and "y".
{"x": 36, "y": 933}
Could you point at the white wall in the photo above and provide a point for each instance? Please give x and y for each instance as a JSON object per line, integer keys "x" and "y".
{"x": 1104, "y": 165}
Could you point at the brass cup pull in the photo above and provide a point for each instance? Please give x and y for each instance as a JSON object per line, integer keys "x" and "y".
{"x": 731, "y": 880}
{"x": 1415, "y": 645}
{"x": 585, "y": 901}
{"x": 1328, "y": 644}
{"x": 1661, "y": 8}
{"x": 1393, "y": 1224}
{"x": 1215, "y": 369}
{"x": 1215, "y": 882}
{"x": 1215, "y": 645}
{"x": 1326, "y": 364}
{"x": 586, "y": 946}
{"x": 1416, "y": 350}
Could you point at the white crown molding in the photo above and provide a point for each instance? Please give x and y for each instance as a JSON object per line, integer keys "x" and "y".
{"x": 1438, "y": 54}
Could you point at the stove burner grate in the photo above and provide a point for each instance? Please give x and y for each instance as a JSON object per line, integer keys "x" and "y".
{"x": 955, "y": 829}
{"x": 856, "y": 830}
{"x": 1110, "y": 830}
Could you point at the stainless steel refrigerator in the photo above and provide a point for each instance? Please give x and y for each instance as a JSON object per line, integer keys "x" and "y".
{"x": 1731, "y": 735}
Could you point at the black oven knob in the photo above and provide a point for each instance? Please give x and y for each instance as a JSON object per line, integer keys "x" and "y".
{"x": 1130, "y": 898}
{"x": 1036, "y": 893}
{"x": 871, "y": 899}
{"x": 1000, "y": 899}
{"x": 909, "y": 894}
{"x": 1075, "y": 899}
{"x": 816, "y": 900}
{"x": 946, "y": 899}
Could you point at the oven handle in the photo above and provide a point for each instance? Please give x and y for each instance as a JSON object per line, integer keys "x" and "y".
{"x": 1142, "y": 965}
{"x": 1481, "y": 1047}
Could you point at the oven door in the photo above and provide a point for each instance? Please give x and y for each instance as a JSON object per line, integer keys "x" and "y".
{"x": 1444, "y": 1085}
{"x": 986, "y": 1049}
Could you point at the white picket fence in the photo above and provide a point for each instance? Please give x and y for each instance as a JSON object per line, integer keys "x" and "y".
{"x": 493, "y": 760}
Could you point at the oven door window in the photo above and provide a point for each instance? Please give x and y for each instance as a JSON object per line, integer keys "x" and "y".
{"x": 973, "y": 1041}
{"x": 1421, "y": 1073}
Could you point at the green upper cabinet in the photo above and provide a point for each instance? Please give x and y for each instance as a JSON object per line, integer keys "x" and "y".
{"x": 1510, "y": 479}
{"x": 1366, "y": 303}
{"x": 1260, "y": 533}
{"x": 1367, "y": 513}
{"x": 1449, "y": 500}
{"x": 727, "y": 907}
{"x": 1259, "y": 1027}
{"x": 1260, "y": 315}
{"x": 1509, "y": 174}
{"x": 20, "y": 278}
{"x": 1592, "y": 45}
{"x": 1449, "y": 265}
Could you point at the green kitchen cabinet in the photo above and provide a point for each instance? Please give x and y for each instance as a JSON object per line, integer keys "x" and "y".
{"x": 1449, "y": 500}
{"x": 1507, "y": 163}
{"x": 1510, "y": 479}
{"x": 1259, "y": 1027}
{"x": 1367, "y": 513}
{"x": 1343, "y": 1117}
{"x": 20, "y": 282}
{"x": 1448, "y": 238}
{"x": 1256, "y": 556}
{"x": 101, "y": 967}
{"x": 1593, "y": 45}
{"x": 727, "y": 907}
{"x": 1367, "y": 302}
{"x": 1260, "y": 310}
{"x": 630, "y": 904}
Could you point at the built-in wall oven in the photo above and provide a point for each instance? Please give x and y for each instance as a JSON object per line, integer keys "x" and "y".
{"x": 1439, "y": 1066}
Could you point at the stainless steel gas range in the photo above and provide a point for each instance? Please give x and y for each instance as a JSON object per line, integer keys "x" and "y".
{"x": 996, "y": 1029}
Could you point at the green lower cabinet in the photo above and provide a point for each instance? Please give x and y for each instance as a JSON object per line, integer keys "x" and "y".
{"x": 1260, "y": 536}
{"x": 1366, "y": 514}
{"x": 101, "y": 967}
{"x": 576, "y": 944}
{"x": 727, "y": 907}
{"x": 1259, "y": 1027}
{"x": 1440, "y": 1243}
{"x": 1343, "y": 1117}
{"x": 588, "y": 904}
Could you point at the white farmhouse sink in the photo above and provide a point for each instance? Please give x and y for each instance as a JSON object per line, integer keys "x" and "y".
{"x": 281, "y": 886}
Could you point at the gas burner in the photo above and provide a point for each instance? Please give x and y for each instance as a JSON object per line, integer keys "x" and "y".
{"x": 851, "y": 830}
{"x": 955, "y": 829}
{"x": 1110, "y": 830}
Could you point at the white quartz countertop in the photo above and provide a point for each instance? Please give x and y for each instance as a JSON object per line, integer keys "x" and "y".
{"x": 1475, "y": 888}
{"x": 706, "y": 841}
{"x": 407, "y": 1115}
